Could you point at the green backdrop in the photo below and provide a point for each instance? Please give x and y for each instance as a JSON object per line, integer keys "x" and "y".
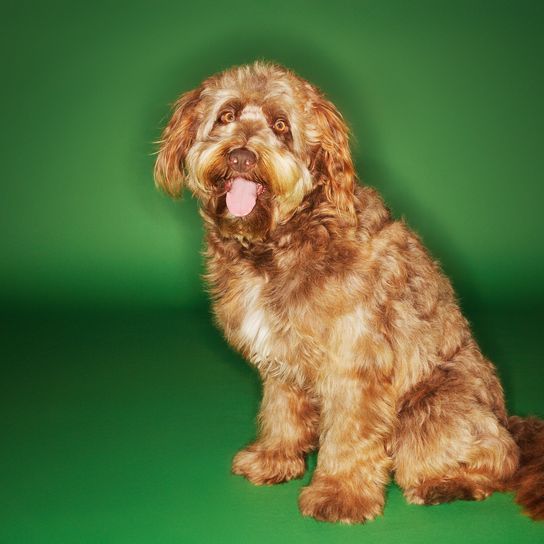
{"x": 121, "y": 404}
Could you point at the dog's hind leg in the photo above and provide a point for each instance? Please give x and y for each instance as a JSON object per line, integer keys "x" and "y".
{"x": 451, "y": 440}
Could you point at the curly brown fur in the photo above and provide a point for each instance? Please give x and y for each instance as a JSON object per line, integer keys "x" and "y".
{"x": 356, "y": 333}
{"x": 528, "y": 482}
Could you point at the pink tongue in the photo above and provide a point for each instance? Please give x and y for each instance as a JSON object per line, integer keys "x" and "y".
{"x": 241, "y": 197}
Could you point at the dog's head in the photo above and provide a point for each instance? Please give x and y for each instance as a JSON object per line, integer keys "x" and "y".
{"x": 251, "y": 143}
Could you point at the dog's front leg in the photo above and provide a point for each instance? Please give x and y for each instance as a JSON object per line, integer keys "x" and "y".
{"x": 288, "y": 430}
{"x": 353, "y": 466}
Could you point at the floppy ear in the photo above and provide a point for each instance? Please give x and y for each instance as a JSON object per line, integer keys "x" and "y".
{"x": 176, "y": 139}
{"x": 332, "y": 162}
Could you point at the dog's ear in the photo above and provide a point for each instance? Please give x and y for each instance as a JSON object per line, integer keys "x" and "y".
{"x": 176, "y": 140}
{"x": 331, "y": 159}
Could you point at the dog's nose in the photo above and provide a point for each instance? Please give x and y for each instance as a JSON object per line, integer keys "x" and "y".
{"x": 242, "y": 159}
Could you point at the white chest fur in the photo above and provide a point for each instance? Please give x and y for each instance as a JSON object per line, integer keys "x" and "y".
{"x": 255, "y": 329}
{"x": 273, "y": 347}
{"x": 293, "y": 350}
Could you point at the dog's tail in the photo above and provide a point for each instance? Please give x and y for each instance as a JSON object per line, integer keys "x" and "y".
{"x": 528, "y": 481}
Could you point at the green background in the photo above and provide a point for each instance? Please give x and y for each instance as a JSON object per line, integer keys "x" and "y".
{"x": 121, "y": 404}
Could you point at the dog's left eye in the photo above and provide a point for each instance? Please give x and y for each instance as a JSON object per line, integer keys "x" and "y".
{"x": 280, "y": 126}
{"x": 227, "y": 117}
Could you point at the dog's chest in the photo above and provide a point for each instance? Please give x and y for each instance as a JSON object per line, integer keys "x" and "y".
{"x": 266, "y": 332}
{"x": 258, "y": 326}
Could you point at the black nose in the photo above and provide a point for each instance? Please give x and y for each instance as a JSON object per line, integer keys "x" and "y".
{"x": 242, "y": 159}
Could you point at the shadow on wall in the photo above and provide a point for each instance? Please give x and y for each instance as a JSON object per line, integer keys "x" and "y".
{"x": 318, "y": 66}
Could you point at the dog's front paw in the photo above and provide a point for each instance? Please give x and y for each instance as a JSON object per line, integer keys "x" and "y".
{"x": 263, "y": 466}
{"x": 329, "y": 498}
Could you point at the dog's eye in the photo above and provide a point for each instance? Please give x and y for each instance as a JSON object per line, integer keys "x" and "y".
{"x": 227, "y": 117}
{"x": 281, "y": 126}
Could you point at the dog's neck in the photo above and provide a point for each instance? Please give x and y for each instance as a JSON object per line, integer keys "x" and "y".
{"x": 314, "y": 213}
{"x": 315, "y": 225}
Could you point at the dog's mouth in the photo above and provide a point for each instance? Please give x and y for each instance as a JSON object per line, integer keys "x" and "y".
{"x": 242, "y": 194}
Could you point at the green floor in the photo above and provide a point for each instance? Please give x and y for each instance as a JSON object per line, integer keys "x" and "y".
{"x": 119, "y": 426}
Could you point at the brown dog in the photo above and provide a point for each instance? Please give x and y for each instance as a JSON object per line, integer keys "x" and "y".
{"x": 356, "y": 333}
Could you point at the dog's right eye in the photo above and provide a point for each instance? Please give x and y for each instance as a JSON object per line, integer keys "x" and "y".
{"x": 227, "y": 117}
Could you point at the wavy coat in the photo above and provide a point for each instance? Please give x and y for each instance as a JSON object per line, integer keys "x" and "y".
{"x": 356, "y": 332}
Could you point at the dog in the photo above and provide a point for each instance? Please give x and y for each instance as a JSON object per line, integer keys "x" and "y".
{"x": 355, "y": 331}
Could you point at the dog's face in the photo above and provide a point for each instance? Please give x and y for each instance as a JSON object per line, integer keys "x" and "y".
{"x": 251, "y": 143}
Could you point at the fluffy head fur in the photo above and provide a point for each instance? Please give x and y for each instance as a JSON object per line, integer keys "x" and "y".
{"x": 312, "y": 149}
{"x": 356, "y": 333}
